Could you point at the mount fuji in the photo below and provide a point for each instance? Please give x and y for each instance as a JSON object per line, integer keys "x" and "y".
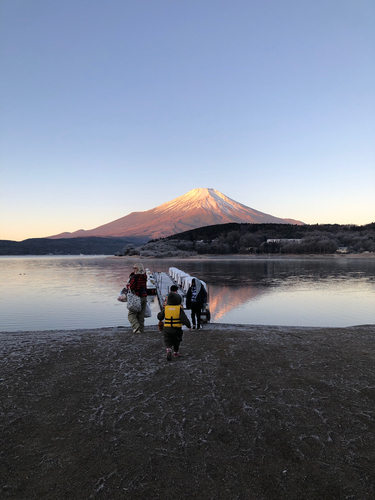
{"x": 197, "y": 208}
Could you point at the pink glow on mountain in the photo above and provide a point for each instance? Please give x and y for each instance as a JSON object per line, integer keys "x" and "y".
{"x": 197, "y": 208}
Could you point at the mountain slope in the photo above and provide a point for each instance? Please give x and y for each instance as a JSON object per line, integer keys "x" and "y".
{"x": 197, "y": 208}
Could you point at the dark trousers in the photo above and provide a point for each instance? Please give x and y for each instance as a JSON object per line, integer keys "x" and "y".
{"x": 172, "y": 337}
{"x": 196, "y": 308}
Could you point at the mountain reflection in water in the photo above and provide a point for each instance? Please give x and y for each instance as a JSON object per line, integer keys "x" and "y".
{"x": 289, "y": 292}
{"x": 224, "y": 299}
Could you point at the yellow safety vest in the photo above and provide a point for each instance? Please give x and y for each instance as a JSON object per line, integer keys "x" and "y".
{"x": 172, "y": 316}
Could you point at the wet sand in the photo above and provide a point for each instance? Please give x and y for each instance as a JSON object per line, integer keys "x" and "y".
{"x": 249, "y": 412}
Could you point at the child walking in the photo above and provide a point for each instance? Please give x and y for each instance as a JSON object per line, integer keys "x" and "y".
{"x": 174, "y": 317}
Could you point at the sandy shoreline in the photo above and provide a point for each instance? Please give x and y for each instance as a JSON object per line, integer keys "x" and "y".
{"x": 249, "y": 412}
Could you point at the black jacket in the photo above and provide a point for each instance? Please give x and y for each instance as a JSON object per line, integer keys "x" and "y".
{"x": 200, "y": 299}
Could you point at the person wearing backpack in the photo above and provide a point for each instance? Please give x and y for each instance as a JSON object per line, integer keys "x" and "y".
{"x": 174, "y": 317}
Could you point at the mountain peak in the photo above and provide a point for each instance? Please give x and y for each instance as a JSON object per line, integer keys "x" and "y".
{"x": 207, "y": 198}
{"x": 197, "y": 208}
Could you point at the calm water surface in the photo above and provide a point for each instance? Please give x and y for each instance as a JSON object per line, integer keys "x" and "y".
{"x": 49, "y": 293}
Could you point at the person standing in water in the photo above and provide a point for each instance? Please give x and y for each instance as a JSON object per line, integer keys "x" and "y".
{"x": 138, "y": 285}
{"x": 196, "y": 297}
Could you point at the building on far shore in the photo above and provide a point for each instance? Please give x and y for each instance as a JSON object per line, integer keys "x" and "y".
{"x": 342, "y": 250}
{"x": 284, "y": 240}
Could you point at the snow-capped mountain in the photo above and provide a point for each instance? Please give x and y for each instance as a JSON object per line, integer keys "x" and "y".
{"x": 197, "y": 208}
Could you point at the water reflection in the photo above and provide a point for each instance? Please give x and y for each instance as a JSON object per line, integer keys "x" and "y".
{"x": 80, "y": 292}
{"x": 224, "y": 299}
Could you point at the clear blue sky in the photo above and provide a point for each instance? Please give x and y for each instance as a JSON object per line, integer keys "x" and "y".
{"x": 115, "y": 106}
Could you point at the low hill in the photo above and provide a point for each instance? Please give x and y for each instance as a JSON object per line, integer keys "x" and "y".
{"x": 66, "y": 246}
{"x": 234, "y": 238}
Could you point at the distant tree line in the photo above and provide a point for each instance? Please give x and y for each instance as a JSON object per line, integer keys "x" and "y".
{"x": 235, "y": 238}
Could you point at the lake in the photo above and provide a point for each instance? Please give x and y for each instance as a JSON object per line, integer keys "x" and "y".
{"x": 70, "y": 292}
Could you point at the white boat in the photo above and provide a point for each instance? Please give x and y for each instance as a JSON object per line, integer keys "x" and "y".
{"x": 151, "y": 285}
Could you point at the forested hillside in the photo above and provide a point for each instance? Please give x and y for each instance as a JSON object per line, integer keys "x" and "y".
{"x": 235, "y": 238}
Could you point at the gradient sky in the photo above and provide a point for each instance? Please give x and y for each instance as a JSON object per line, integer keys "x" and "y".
{"x": 115, "y": 106}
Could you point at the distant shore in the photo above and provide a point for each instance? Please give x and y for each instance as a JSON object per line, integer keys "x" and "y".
{"x": 249, "y": 412}
{"x": 253, "y": 256}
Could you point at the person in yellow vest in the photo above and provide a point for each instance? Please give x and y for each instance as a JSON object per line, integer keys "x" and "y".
{"x": 174, "y": 317}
